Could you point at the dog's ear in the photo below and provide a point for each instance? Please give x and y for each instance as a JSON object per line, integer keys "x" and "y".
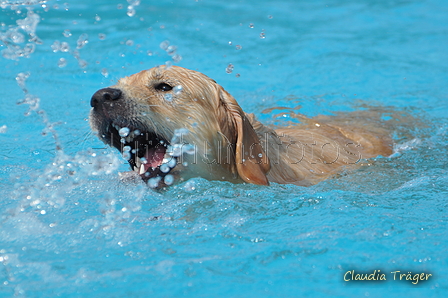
{"x": 251, "y": 161}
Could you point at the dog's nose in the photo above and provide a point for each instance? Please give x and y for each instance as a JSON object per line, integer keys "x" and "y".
{"x": 104, "y": 95}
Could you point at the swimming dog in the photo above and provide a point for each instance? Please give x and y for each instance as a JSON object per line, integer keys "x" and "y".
{"x": 151, "y": 115}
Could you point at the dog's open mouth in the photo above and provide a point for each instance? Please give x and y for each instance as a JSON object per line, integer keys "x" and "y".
{"x": 146, "y": 152}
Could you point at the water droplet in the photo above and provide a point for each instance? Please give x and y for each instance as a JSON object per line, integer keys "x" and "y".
{"x": 176, "y": 150}
{"x": 229, "y": 68}
{"x": 165, "y": 168}
{"x": 127, "y": 148}
{"x": 131, "y": 11}
{"x": 164, "y": 45}
{"x": 126, "y": 155}
{"x": 168, "y": 97}
{"x": 230, "y": 43}
{"x": 129, "y": 42}
{"x": 177, "y": 58}
{"x": 154, "y": 182}
{"x": 169, "y": 179}
{"x": 251, "y": 25}
{"x": 171, "y": 163}
{"x": 3, "y": 129}
{"x": 270, "y": 17}
{"x": 102, "y": 36}
{"x": 97, "y": 18}
{"x": 124, "y": 132}
{"x": 237, "y": 75}
{"x": 62, "y": 62}
{"x": 82, "y": 40}
{"x": 178, "y": 89}
{"x": 238, "y": 47}
{"x": 56, "y": 46}
{"x": 67, "y": 33}
{"x": 104, "y": 72}
{"x": 149, "y": 53}
{"x": 170, "y": 50}
{"x": 262, "y": 35}
{"x": 64, "y": 47}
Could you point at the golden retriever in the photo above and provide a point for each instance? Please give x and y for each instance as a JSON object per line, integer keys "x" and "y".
{"x": 172, "y": 122}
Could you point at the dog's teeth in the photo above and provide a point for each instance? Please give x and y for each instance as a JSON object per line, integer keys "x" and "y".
{"x": 142, "y": 169}
{"x": 138, "y": 163}
{"x": 135, "y": 169}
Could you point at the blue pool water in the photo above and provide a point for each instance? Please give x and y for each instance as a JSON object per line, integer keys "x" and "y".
{"x": 70, "y": 228}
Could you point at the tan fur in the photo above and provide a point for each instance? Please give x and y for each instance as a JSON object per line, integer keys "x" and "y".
{"x": 233, "y": 145}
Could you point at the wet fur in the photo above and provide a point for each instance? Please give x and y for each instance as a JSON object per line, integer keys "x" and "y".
{"x": 233, "y": 145}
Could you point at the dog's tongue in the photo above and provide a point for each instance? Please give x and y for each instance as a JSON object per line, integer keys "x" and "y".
{"x": 154, "y": 157}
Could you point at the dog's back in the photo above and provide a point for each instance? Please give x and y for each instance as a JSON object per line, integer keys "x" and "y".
{"x": 321, "y": 147}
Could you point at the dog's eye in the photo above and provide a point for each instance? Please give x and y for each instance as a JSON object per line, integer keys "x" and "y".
{"x": 163, "y": 87}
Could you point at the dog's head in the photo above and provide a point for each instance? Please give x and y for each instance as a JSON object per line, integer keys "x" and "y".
{"x": 142, "y": 114}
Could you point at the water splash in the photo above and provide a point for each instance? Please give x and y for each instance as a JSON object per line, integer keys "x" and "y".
{"x": 64, "y": 47}
{"x": 171, "y": 50}
{"x": 33, "y": 103}
{"x": 83, "y": 39}
{"x": 131, "y": 7}
{"x": 21, "y": 41}
{"x": 177, "y": 148}
{"x": 229, "y": 68}
{"x": 409, "y": 145}
{"x": 48, "y": 191}
{"x": 5, "y": 3}
{"x": 178, "y": 89}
